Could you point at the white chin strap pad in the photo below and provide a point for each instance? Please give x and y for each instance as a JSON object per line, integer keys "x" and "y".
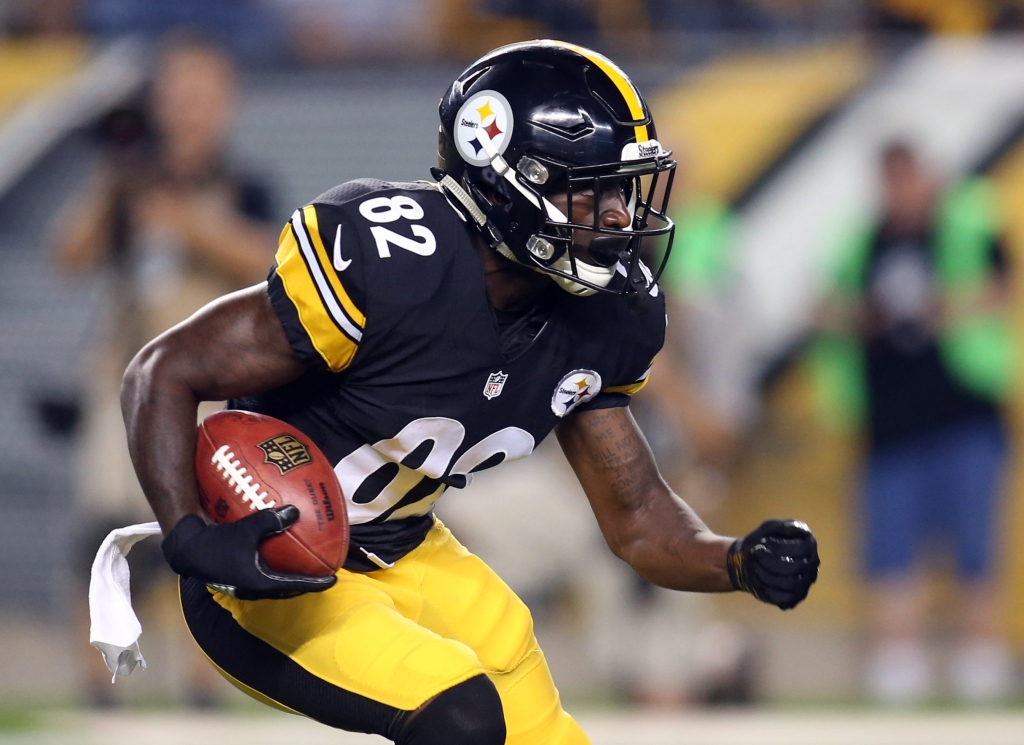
{"x": 595, "y": 275}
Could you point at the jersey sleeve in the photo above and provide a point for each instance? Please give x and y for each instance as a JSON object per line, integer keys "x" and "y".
{"x": 316, "y": 287}
{"x": 628, "y": 389}
{"x": 617, "y": 395}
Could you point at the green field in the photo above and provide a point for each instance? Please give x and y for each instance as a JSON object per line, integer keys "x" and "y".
{"x": 720, "y": 727}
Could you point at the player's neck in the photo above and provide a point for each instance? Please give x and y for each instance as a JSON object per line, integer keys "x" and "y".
{"x": 509, "y": 285}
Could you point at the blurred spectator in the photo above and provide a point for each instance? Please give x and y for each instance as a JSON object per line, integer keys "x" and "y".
{"x": 173, "y": 227}
{"x": 917, "y": 337}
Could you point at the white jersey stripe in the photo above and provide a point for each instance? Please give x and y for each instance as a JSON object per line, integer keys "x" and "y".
{"x": 316, "y": 270}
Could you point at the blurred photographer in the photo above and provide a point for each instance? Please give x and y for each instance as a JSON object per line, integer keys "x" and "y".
{"x": 918, "y": 345}
{"x": 172, "y": 227}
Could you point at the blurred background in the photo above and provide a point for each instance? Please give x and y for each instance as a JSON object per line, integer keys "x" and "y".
{"x": 842, "y": 348}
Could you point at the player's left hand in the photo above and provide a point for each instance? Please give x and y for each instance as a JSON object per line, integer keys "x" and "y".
{"x": 777, "y": 563}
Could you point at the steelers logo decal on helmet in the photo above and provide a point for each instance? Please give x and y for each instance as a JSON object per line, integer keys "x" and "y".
{"x": 485, "y": 119}
{"x": 573, "y": 389}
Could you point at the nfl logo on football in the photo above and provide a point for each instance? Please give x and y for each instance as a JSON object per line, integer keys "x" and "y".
{"x": 495, "y": 382}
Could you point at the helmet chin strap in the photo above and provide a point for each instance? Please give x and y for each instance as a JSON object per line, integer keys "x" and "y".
{"x": 595, "y": 275}
{"x": 452, "y": 187}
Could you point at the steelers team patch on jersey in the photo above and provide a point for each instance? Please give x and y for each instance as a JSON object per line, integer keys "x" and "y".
{"x": 574, "y": 389}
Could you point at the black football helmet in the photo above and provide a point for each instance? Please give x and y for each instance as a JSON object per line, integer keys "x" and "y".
{"x": 536, "y": 118}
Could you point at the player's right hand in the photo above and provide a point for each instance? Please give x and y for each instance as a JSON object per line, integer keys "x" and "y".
{"x": 225, "y": 557}
{"x": 777, "y": 563}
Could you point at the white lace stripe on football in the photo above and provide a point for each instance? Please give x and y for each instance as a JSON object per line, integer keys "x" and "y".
{"x": 235, "y": 475}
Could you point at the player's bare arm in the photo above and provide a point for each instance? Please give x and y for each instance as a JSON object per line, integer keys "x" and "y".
{"x": 232, "y": 347}
{"x": 644, "y": 523}
{"x": 657, "y": 533}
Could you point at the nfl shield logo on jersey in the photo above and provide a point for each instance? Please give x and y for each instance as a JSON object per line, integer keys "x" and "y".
{"x": 495, "y": 382}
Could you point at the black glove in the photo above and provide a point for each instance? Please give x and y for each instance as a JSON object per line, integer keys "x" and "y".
{"x": 777, "y": 563}
{"x": 225, "y": 556}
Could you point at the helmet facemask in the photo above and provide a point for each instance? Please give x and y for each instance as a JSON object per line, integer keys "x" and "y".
{"x": 549, "y": 242}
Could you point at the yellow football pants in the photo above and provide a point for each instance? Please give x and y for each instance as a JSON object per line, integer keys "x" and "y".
{"x": 402, "y": 635}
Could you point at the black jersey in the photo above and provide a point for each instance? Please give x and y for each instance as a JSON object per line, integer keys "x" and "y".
{"x": 412, "y": 386}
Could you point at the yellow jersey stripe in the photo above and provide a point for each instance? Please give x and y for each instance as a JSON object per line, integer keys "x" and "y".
{"x": 309, "y": 215}
{"x": 336, "y": 348}
{"x": 630, "y": 388}
{"x": 618, "y": 77}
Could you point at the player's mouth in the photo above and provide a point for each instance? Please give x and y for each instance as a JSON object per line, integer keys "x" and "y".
{"x": 602, "y": 250}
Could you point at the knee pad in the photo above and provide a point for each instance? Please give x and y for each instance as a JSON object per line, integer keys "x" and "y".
{"x": 469, "y": 713}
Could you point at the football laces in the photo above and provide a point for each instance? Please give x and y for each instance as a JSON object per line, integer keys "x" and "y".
{"x": 234, "y": 473}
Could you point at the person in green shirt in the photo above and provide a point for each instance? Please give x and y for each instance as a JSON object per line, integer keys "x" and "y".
{"x": 916, "y": 349}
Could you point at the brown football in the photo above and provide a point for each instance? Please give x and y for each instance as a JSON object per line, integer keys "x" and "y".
{"x": 247, "y": 462}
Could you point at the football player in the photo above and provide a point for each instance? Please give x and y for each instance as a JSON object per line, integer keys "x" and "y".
{"x": 418, "y": 333}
